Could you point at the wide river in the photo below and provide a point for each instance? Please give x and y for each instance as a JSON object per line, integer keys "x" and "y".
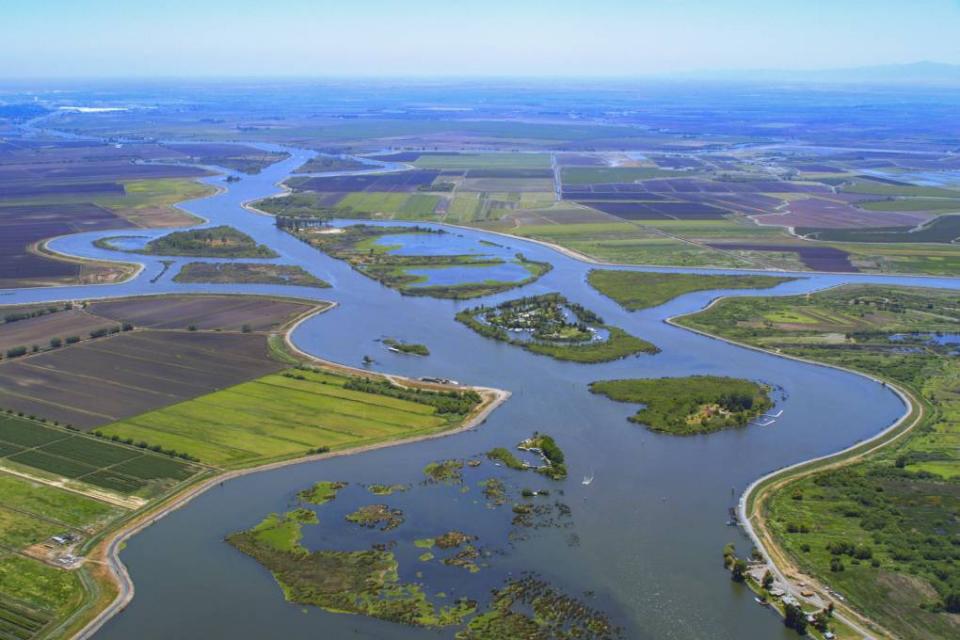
{"x": 649, "y": 529}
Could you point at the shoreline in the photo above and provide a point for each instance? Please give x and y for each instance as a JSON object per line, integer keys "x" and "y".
{"x": 108, "y": 551}
{"x": 751, "y": 517}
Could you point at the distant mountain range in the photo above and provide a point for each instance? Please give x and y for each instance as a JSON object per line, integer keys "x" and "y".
{"x": 923, "y": 73}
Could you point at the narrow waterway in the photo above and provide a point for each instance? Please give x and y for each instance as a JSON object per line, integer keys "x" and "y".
{"x": 648, "y": 531}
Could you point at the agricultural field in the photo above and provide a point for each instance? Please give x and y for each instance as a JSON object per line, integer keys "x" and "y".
{"x": 483, "y": 161}
{"x": 634, "y": 290}
{"x": 59, "y": 490}
{"x": 48, "y": 452}
{"x": 156, "y": 351}
{"x": 23, "y": 226}
{"x": 551, "y": 325}
{"x": 666, "y": 209}
{"x": 879, "y": 530}
{"x": 26, "y": 326}
{"x": 293, "y": 413}
{"x": 51, "y": 188}
{"x": 691, "y": 405}
{"x": 248, "y": 272}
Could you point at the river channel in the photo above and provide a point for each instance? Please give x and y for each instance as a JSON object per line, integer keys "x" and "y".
{"x": 644, "y": 539}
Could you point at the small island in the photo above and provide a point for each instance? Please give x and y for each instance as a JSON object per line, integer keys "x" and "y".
{"x": 248, "y": 273}
{"x": 213, "y": 242}
{"x": 323, "y": 164}
{"x": 553, "y": 326}
{"x": 553, "y": 461}
{"x": 409, "y": 348}
{"x": 690, "y": 405}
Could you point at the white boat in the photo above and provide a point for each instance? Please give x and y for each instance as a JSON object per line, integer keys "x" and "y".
{"x": 587, "y": 479}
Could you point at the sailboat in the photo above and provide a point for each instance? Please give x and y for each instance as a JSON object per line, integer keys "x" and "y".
{"x": 587, "y": 479}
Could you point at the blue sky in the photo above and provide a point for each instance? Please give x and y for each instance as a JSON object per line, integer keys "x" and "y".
{"x": 58, "y": 38}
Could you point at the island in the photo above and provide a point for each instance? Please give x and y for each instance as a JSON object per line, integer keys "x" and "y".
{"x": 553, "y": 326}
{"x": 249, "y": 273}
{"x": 222, "y": 241}
{"x": 690, "y": 405}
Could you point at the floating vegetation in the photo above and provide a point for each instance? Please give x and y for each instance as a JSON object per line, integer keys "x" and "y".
{"x": 366, "y": 582}
{"x": 530, "y": 608}
{"x": 453, "y": 539}
{"x": 465, "y": 559}
{"x": 495, "y": 492}
{"x": 387, "y": 489}
{"x": 376, "y": 515}
{"x": 545, "y": 515}
{"x": 445, "y": 471}
{"x": 409, "y": 348}
{"x": 360, "y": 582}
{"x": 321, "y": 492}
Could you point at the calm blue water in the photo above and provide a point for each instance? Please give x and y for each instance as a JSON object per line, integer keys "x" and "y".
{"x": 506, "y": 272}
{"x": 650, "y": 527}
{"x": 129, "y": 243}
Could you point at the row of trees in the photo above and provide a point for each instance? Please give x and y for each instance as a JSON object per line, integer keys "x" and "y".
{"x": 56, "y": 343}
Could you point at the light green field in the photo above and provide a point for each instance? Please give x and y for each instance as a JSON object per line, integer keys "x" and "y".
{"x": 374, "y": 202}
{"x": 882, "y": 189}
{"x": 418, "y": 206}
{"x": 39, "y": 585}
{"x": 465, "y": 207}
{"x": 790, "y": 317}
{"x": 485, "y": 161}
{"x": 639, "y": 290}
{"x": 913, "y": 204}
{"x": 278, "y": 417}
{"x": 64, "y": 506}
{"x": 20, "y": 530}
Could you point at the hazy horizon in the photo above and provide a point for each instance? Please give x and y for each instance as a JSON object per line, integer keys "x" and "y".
{"x": 58, "y": 39}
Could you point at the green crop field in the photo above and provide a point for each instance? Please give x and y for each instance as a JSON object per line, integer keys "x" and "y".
{"x": 19, "y": 530}
{"x": 374, "y": 202}
{"x": 36, "y": 448}
{"x": 279, "y": 416}
{"x": 913, "y": 204}
{"x": 883, "y": 189}
{"x": 38, "y": 585}
{"x": 418, "y": 207}
{"x": 639, "y": 290}
{"x": 70, "y": 508}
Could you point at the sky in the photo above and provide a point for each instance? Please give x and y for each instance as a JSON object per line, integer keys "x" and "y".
{"x": 181, "y": 38}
